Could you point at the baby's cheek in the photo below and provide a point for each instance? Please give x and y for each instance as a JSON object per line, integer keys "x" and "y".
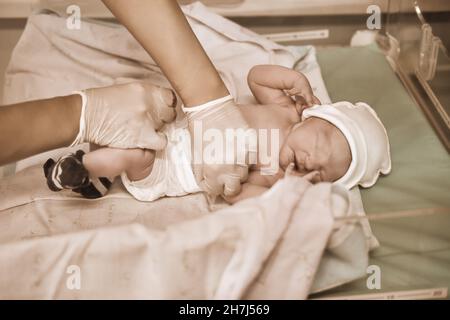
{"x": 340, "y": 169}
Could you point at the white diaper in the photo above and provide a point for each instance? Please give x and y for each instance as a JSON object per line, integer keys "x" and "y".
{"x": 172, "y": 172}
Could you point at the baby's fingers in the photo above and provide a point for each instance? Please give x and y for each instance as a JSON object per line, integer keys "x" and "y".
{"x": 312, "y": 176}
{"x": 309, "y": 98}
{"x": 289, "y": 170}
{"x": 294, "y": 91}
{"x": 300, "y": 100}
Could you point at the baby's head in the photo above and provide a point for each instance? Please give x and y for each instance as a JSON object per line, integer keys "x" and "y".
{"x": 344, "y": 143}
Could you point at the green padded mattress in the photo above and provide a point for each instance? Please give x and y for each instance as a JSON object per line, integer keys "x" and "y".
{"x": 412, "y": 204}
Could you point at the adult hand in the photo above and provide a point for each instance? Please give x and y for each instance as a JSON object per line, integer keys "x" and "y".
{"x": 220, "y": 172}
{"x": 196, "y": 82}
{"x": 126, "y": 116}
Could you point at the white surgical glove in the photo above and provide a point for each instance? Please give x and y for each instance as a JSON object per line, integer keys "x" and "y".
{"x": 210, "y": 121}
{"x": 126, "y": 115}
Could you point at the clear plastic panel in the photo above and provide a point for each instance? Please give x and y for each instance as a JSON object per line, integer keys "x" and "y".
{"x": 416, "y": 43}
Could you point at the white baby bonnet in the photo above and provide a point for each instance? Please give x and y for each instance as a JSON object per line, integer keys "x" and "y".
{"x": 366, "y": 136}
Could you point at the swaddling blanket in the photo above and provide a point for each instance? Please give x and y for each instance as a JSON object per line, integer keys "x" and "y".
{"x": 237, "y": 252}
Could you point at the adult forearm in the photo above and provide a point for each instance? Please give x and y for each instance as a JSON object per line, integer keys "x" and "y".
{"x": 163, "y": 31}
{"x": 32, "y": 127}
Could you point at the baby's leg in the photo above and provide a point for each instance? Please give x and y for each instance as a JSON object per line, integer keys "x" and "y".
{"x": 111, "y": 162}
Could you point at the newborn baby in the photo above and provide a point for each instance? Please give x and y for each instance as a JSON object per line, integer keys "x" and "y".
{"x": 342, "y": 143}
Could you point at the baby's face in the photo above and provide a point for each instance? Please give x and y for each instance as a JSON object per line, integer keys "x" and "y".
{"x": 316, "y": 145}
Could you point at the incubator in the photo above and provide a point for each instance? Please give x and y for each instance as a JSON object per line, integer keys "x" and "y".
{"x": 417, "y": 48}
{"x": 409, "y": 211}
{"x": 404, "y": 69}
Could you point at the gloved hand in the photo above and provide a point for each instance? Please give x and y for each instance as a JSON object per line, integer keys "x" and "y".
{"x": 225, "y": 175}
{"x": 126, "y": 115}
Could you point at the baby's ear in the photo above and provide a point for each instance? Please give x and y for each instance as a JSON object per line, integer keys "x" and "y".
{"x": 48, "y": 166}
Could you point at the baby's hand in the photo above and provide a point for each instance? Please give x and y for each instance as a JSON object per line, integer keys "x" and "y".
{"x": 301, "y": 104}
{"x": 302, "y": 93}
{"x": 312, "y": 177}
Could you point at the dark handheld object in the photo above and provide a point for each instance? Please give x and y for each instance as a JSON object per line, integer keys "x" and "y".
{"x": 69, "y": 173}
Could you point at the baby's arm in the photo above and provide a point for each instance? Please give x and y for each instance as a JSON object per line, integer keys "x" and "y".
{"x": 248, "y": 190}
{"x": 111, "y": 162}
{"x": 276, "y": 84}
{"x": 255, "y": 185}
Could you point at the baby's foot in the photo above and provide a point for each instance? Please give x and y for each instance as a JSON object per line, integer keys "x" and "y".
{"x": 140, "y": 163}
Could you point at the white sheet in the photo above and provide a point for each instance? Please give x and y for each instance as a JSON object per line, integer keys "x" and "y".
{"x": 265, "y": 247}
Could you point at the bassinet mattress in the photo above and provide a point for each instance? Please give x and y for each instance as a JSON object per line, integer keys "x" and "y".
{"x": 410, "y": 208}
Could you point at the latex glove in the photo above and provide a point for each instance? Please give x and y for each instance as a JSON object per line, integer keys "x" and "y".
{"x": 126, "y": 115}
{"x": 225, "y": 176}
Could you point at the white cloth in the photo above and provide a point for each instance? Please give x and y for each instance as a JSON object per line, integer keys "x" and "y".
{"x": 366, "y": 136}
{"x": 265, "y": 247}
{"x": 171, "y": 173}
